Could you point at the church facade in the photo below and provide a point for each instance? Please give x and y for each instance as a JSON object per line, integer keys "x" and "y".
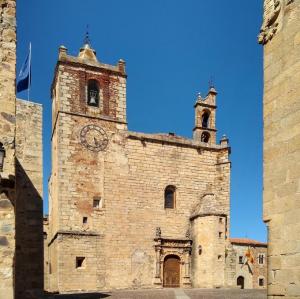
{"x": 129, "y": 209}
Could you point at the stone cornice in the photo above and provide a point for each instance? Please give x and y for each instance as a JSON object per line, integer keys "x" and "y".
{"x": 175, "y": 140}
{"x": 73, "y": 233}
{"x": 205, "y": 129}
{"x": 193, "y": 217}
{"x": 203, "y": 104}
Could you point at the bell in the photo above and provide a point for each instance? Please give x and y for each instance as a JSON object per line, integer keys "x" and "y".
{"x": 92, "y": 100}
{"x": 93, "y": 96}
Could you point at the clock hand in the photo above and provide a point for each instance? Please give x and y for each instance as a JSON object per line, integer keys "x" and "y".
{"x": 96, "y": 141}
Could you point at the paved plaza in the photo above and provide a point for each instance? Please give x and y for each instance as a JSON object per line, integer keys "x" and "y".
{"x": 170, "y": 294}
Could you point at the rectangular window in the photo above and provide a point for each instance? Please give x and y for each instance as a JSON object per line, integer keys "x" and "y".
{"x": 261, "y": 259}
{"x": 96, "y": 203}
{"x": 261, "y": 282}
{"x": 84, "y": 220}
{"x": 241, "y": 258}
{"x": 80, "y": 262}
{"x": 220, "y": 220}
{"x": 220, "y": 234}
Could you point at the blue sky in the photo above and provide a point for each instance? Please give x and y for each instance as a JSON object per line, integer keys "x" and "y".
{"x": 172, "y": 48}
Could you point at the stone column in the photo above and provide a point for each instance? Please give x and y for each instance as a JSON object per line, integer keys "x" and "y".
{"x": 157, "y": 280}
{"x": 7, "y": 136}
{"x": 187, "y": 268}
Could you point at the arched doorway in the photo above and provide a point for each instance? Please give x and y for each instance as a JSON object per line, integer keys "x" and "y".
{"x": 172, "y": 271}
{"x": 241, "y": 282}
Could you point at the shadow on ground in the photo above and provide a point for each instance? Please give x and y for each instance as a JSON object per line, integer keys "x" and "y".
{"x": 167, "y": 294}
{"x": 78, "y": 296}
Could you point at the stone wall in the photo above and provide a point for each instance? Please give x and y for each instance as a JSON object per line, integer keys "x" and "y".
{"x": 29, "y": 205}
{"x": 7, "y": 135}
{"x": 256, "y": 270}
{"x": 280, "y": 35}
{"x": 46, "y": 253}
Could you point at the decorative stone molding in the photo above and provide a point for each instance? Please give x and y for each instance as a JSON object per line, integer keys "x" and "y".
{"x": 179, "y": 247}
{"x": 8, "y": 142}
{"x": 289, "y": 2}
{"x": 270, "y": 24}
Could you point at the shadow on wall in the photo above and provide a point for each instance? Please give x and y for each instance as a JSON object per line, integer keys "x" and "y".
{"x": 29, "y": 270}
{"x": 7, "y": 235}
{"x": 78, "y": 296}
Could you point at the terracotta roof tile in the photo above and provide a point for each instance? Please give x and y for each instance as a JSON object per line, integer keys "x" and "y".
{"x": 245, "y": 241}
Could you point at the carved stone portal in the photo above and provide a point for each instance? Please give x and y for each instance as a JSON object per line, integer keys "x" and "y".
{"x": 181, "y": 248}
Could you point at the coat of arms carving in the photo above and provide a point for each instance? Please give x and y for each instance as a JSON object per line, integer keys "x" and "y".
{"x": 271, "y": 22}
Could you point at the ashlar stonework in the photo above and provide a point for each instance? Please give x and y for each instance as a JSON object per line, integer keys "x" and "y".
{"x": 21, "y": 209}
{"x": 282, "y": 148}
{"x": 7, "y": 135}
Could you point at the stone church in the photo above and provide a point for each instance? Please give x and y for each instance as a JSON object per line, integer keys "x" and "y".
{"x": 130, "y": 209}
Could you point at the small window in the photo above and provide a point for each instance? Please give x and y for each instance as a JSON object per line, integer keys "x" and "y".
{"x": 219, "y": 257}
{"x": 261, "y": 282}
{"x": 80, "y": 262}
{"x": 97, "y": 204}
{"x": 261, "y": 259}
{"x": 170, "y": 197}
{"x": 205, "y": 137}
{"x": 84, "y": 220}
{"x": 220, "y": 235}
{"x": 241, "y": 259}
{"x": 220, "y": 220}
{"x": 93, "y": 93}
{"x": 205, "y": 119}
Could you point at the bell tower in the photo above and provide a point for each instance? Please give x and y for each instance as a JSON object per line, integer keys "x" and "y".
{"x": 85, "y": 86}
{"x": 205, "y": 118}
{"x": 88, "y": 119}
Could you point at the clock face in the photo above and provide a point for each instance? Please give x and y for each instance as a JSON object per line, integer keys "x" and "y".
{"x": 94, "y": 138}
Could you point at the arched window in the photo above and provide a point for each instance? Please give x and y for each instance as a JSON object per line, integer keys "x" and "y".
{"x": 93, "y": 93}
{"x": 205, "y": 137}
{"x": 205, "y": 119}
{"x": 170, "y": 197}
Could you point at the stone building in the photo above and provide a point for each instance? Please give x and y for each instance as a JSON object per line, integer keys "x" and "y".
{"x": 280, "y": 35}
{"x": 129, "y": 209}
{"x": 29, "y": 268}
{"x": 7, "y": 135}
{"x": 250, "y": 260}
{"x": 21, "y": 243}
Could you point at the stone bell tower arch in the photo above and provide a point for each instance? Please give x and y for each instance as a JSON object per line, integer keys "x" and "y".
{"x": 205, "y": 118}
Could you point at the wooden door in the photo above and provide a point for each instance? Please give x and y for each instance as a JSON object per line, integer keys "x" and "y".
{"x": 172, "y": 272}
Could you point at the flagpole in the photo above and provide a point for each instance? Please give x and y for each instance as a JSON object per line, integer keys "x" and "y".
{"x": 29, "y": 78}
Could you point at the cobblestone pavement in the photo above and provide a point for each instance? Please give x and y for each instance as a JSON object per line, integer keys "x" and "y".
{"x": 170, "y": 294}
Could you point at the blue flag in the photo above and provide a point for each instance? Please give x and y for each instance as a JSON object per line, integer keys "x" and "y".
{"x": 24, "y": 78}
